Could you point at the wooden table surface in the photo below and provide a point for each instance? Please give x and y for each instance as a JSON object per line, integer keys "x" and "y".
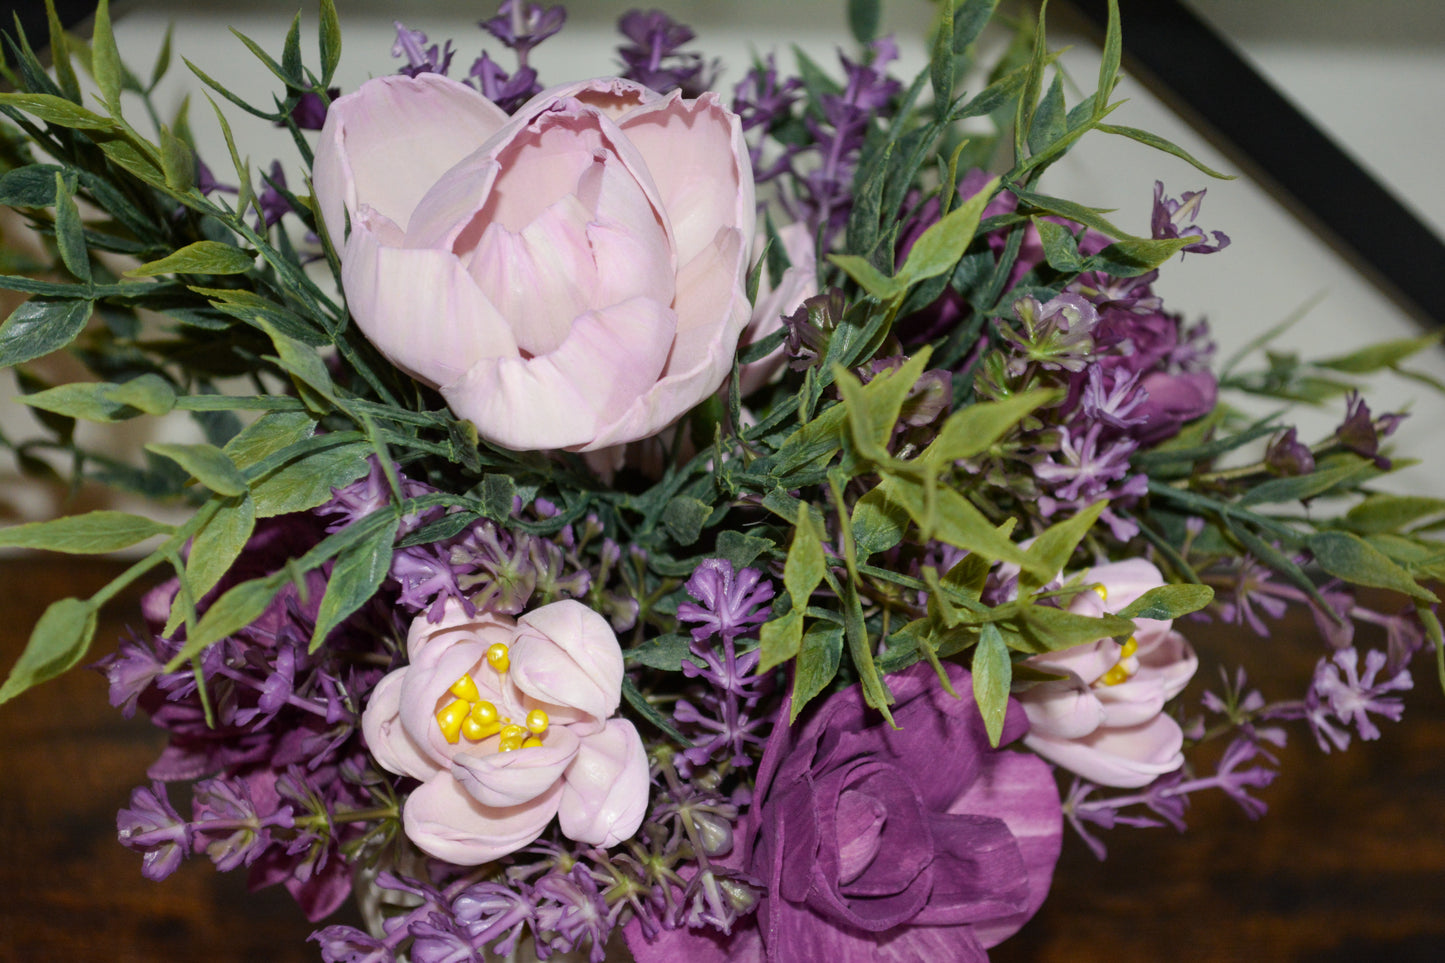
{"x": 1348, "y": 865}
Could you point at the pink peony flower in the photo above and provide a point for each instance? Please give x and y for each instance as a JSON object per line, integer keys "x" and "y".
{"x": 1105, "y": 719}
{"x": 570, "y": 277}
{"x": 508, "y": 724}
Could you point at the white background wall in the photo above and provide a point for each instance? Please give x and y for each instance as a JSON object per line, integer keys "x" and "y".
{"x": 1368, "y": 71}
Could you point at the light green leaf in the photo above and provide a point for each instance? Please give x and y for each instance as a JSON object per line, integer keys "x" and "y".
{"x": 816, "y": 664}
{"x": 1168, "y": 602}
{"x": 1132, "y": 257}
{"x": 1159, "y": 143}
{"x": 330, "y": 41}
{"x": 1381, "y": 355}
{"x": 269, "y": 434}
{"x": 992, "y": 676}
{"x": 358, "y": 573}
{"x": 938, "y": 250}
{"x": 684, "y": 517}
{"x": 873, "y": 409}
{"x": 955, "y": 521}
{"x": 39, "y": 326}
{"x": 1391, "y": 513}
{"x": 149, "y": 393}
{"x": 307, "y": 481}
{"x": 202, "y": 257}
{"x": 105, "y": 63}
{"x": 301, "y": 361}
{"x": 237, "y": 608}
{"x": 878, "y": 522}
{"x": 1061, "y": 250}
{"x": 1109, "y": 63}
{"x": 208, "y": 464}
{"x": 780, "y": 639}
{"x": 59, "y": 641}
{"x": 57, "y": 110}
{"x": 1351, "y": 558}
{"x": 1044, "y": 628}
{"x": 974, "y": 429}
{"x": 163, "y": 58}
{"x": 60, "y": 54}
{"x": 1053, "y": 548}
{"x": 178, "y": 164}
{"x": 648, "y": 711}
{"x": 88, "y": 400}
{"x": 69, "y": 233}
{"x": 869, "y": 278}
{"x": 215, "y": 547}
{"x": 945, "y": 63}
{"x": 93, "y": 533}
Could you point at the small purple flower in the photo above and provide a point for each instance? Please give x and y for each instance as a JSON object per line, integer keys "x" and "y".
{"x": 732, "y": 603}
{"x": 420, "y": 59}
{"x": 152, "y": 827}
{"x": 272, "y": 201}
{"x": 496, "y": 913}
{"x": 571, "y": 909}
{"x": 507, "y": 91}
{"x": 310, "y": 110}
{"x": 347, "y": 944}
{"x": 1360, "y": 432}
{"x": 1288, "y": 456}
{"x": 522, "y": 26}
{"x": 1174, "y": 219}
{"x": 653, "y": 58}
{"x": 1350, "y": 696}
{"x": 228, "y": 826}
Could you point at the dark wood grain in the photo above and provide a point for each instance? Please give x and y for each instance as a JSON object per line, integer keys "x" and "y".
{"x": 1348, "y": 865}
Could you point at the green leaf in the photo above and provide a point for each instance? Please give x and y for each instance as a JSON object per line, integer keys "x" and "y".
{"x": 1351, "y": 558}
{"x": 1384, "y": 354}
{"x": 1044, "y": 628}
{"x": 665, "y": 652}
{"x": 149, "y": 393}
{"x": 684, "y": 517}
{"x": 307, "y": 480}
{"x": 208, "y": 464}
{"x": 163, "y": 59}
{"x": 806, "y": 563}
{"x": 237, "y": 608}
{"x": 969, "y": 19}
{"x": 330, "y": 41}
{"x": 69, "y": 233}
{"x": 269, "y": 434}
{"x": 57, "y": 110}
{"x": 58, "y": 642}
{"x": 291, "y": 48}
{"x": 39, "y": 326}
{"x": 1303, "y": 487}
{"x": 88, "y": 400}
{"x": 1061, "y": 249}
{"x": 1132, "y": 257}
{"x": 973, "y": 429}
{"x": 178, "y": 164}
{"x": 93, "y": 533}
{"x": 878, "y": 521}
{"x": 60, "y": 54}
{"x": 1069, "y": 210}
{"x": 945, "y": 63}
{"x": 648, "y": 711}
{"x": 992, "y": 676}
{"x": 105, "y": 63}
{"x": 869, "y": 278}
{"x": 1054, "y": 547}
{"x": 1049, "y": 119}
{"x": 499, "y": 492}
{"x": 1168, "y": 602}
{"x": 816, "y": 664}
{"x": 780, "y": 639}
{"x": 863, "y": 18}
{"x": 1159, "y": 143}
{"x": 1391, "y": 513}
{"x": 1109, "y": 63}
{"x": 873, "y": 409}
{"x": 939, "y": 249}
{"x": 356, "y": 576}
{"x": 213, "y": 550}
{"x": 1032, "y": 83}
{"x": 201, "y": 257}
{"x": 740, "y": 548}
{"x": 955, "y": 521}
{"x": 304, "y": 364}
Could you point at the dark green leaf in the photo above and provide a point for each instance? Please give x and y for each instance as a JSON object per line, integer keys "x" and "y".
{"x": 291, "y": 48}
{"x": 1159, "y": 143}
{"x": 307, "y": 481}
{"x": 741, "y": 549}
{"x": 1109, "y": 63}
{"x": 69, "y": 233}
{"x": 1134, "y": 256}
{"x": 39, "y": 326}
{"x": 237, "y": 608}
{"x": 58, "y": 642}
{"x": 1351, "y": 558}
{"x": 969, "y": 19}
{"x": 945, "y": 63}
{"x": 356, "y": 576}
{"x": 684, "y": 517}
{"x": 93, "y": 533}
{"x": 863, "y": 19}
{"x": 1048, "y": 123}
{"x": 1044, "y": 628}
{"x": 1391, "y": 513}
{"x": 665, "y": 652}
{"x": 269, "y": 434}
{"x": 498, "y": 494}
{"x": 648, "y": 711}
{"x": 60, "y": 54}
{"x": 1303, "y": 487}
{"x": 816, "y": 664}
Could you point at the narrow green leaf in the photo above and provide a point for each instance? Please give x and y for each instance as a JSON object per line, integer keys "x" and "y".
{"x": 665, "y": 652}
{"x": 60, "y": 54}
{"x": 1159, "y": 143}
{"x": 974, "y": 429}
{"x": 1132, "y": 257}
{"x": 1305, "y": 487}
{"x": 330, "y": 41}
{"x": 39, "y": 326}
{"x": 237, "y": 608}
{"x": 201, "y": 257}
{"x": 105, "y": 63}
{"x": 356, "y": 576}
{"x": 648, "y": 711}
{"x": 1045, "y": 628}
{"x": 307, "y": 481}
{"x": 213, "y": 550}
{"x": 163, "y": 59}
{"x": 969, "y": 19}
{"x": 869, "y": 278}
{"x": 941, "y": 247}
{"x": 1049, "y": 124}
{"x": 945, "y": 63}
{"x": 69, "y": 233}
{"x": 1168, "y": 602}
{"x": 93, "y": 533}
{"x": 149, "y": 393}
{"x": 87, "y": 400}
{"x": 1069, "y": 210}
{"x": 58, "y": 642}
{"x": 269, "y": 434}
{"x": 178, "y": 163}
{"x": 816, "y": 664}
{"x": 1381, "y": 355}
{"x": 304, "y": 364}
{"x": 208, "y": 464}
{"x": 1391, "y": 513}
{"x": 1053, "y": 548}
{"x": 1109, "y": 63}
{"x": 291, "y": 48}
{"x": 954, "y": 520}
{"x": 1032, "y": 84}
{"x": 992, "y": 676}
{"x": 57, "y": 110}
{"x": 293, "y": 81}
{"x": 1351, "y": 558}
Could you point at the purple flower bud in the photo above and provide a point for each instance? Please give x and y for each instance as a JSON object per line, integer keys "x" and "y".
{"x": 1287, "y": 456}
{"x": 152, "y": 827}
{"x": 1174, "y": 219}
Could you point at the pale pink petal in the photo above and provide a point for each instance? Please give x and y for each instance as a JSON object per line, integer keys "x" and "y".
{"x": 613, "y": 96}
{"x": 604, "y": 791}
{"x": 445, "y": 822}
{"x": 567, "y": 654}
{"x": 419, "y": 307}
{"x": 558, "y": 400}
{"x": 503, "y": 779}
{"x": 1125, "y": 758}
{"x": 699, "y": 161}
{"x": 388, "y": 142}
{"x": 427, "y": 640}
{"x": 1125, "y": 581}
{"x": 386, "y": 737}
{"x": 1066, "y": 709}
{"x": 627, "y": 237}
{"x": 712, "y": 310}
{"x": 1132, "y": 702}
{"x": 1173, "y": 659}
{"x": 424, "y": 693}
{"x": 1088, "y": 661}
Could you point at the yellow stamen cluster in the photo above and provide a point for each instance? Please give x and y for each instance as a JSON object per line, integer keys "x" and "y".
{"x": 469, "y": 715}
{"x": 1121, "y": 672}
{"x": 1102, "y": 592}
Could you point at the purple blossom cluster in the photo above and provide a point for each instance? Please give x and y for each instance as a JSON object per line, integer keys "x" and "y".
{"x": 267, "y": 730}
{"x": 518, "y": 25}
{"x": 653, "y": 56}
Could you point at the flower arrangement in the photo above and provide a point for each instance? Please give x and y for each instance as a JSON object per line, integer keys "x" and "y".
{"x": 657, "y": 515}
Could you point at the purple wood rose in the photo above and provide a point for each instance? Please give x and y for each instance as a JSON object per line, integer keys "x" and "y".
{"x": 873, "y": 843}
